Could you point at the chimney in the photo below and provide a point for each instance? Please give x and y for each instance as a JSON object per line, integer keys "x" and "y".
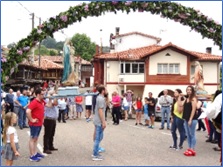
{"x": 117, "y": 31}
{"x": 97, "y": 50}
{"x": 208, "y": 50}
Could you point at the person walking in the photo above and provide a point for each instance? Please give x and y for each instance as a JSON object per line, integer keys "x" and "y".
{"x": 165, "y": 102}
{"x": 35, "y": 115}
{"x": 99, "y": 123}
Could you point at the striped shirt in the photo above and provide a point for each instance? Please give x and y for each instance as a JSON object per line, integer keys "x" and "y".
{"x": 51, "y": 112}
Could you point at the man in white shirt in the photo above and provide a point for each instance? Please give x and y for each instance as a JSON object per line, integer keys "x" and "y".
{"x": 88, "y": 106}
{"x": 62, "y": 105}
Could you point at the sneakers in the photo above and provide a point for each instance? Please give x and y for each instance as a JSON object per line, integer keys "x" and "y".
{"x": 101, "y": 150}
{"x": 172, "y": 147}
{"x": 151, "y": 127}
{"x": 97, "y": 158}
{"x": 40, "y": 156}
{"x": 34, "y": 158}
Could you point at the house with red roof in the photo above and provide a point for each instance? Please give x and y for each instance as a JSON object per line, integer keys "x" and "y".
{"x": 152, "y": 67}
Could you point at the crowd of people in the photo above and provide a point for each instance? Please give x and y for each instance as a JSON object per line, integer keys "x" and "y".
{"x": 38, "y": 106}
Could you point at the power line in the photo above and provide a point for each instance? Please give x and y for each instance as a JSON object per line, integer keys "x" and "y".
{"x": 24, "y": 7}
{"x": 31, "y": 13}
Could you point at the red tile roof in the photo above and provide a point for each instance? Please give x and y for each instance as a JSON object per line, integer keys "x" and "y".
{"x": 44, "y": 64}
{"x": 47, "y": 64}
{"x": 207, "y": 56}
{"x": 32, "y": 65}
{"x": 142, "y": 52}
{"x": 59, "y": 59}
{"x": 139, "y": 33}
{"x": 130, "y": 54}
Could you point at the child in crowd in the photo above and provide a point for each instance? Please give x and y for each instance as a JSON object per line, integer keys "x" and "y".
{"x": 146, "y": 111}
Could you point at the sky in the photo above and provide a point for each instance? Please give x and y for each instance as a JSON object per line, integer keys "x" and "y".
{"x": 16, "y": 23}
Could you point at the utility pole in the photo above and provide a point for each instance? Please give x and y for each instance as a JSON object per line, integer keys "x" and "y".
{"x": 33, "y": 15}
{"x": 39, "y": 42}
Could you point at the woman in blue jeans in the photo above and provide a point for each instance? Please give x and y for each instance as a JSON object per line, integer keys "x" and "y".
{"x": 190, "y": 117}
{"x": 176, "y": 120}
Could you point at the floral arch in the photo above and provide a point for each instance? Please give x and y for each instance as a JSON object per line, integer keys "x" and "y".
{"x": 198, "y": 22}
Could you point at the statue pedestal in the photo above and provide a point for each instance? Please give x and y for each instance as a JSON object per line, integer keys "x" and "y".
{"x": 72, "y": 91}
{"x": 203, "y": 95}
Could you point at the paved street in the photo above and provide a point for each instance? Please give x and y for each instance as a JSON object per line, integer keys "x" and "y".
{"x": 125, "y": 144}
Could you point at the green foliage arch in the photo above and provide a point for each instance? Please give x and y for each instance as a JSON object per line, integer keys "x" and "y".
{"x": 207, "y": 27}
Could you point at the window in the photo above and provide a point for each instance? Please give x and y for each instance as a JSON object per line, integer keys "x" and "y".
{"x": 86, "y": 68}
{"x": 174, "y": 69}
{"x": 127, "y": 68}
{"x": 141, "y": 68}
{"x": 168, "y": 68}
{"x": 132, "y": 67}
{"x": 122, "y": 68}
{"x": 162, "y": 68}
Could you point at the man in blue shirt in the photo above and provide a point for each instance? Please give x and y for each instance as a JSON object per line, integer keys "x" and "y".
{"x": 23, "y": 102}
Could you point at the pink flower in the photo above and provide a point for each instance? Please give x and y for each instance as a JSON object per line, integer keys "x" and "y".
{"x": 145, "y": 5}
{"x": 26, "y": 48}
{"x": 41, "y": 26}
{"x": 86, "y": 8}
{"x": 216, "y": 22}
{"x": 210, "y": 19}
{"x": 12, "y": 71}
{"x": 183, "y": 16}
{"x": 211, "y": 30}
{"x": 140, "y": 10}
{"x": 19, "y": 52}
{"x": 6, "y": 78}
{"x": 3, "y": 59}
{"x": 114, "y": 2}
{"x": 128, "y": 3}
{"x": 64, "y": 18}
{"x": 39, "y": 31}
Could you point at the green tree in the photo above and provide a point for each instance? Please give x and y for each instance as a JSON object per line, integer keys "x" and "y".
{"x": 43, "y": 51}
{"x": 59, "y": 45}
{"x": 53, "y": 52}
{"x": 11, "y": 45}
{"x": 83, "y": 46}
{"x": 49, "y": 43}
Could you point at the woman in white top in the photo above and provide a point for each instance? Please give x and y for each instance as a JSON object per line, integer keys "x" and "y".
{"x": 10, "y": 139}
{"x": 125, "y": 105}
{"x": 88, "y": 106}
